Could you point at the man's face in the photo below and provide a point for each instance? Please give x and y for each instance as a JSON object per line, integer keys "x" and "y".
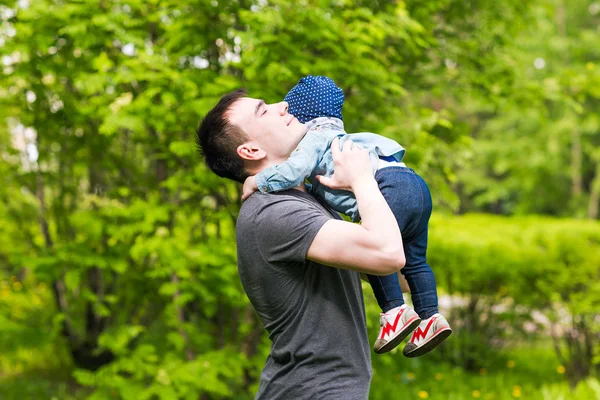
{"x": 269, "y": 127}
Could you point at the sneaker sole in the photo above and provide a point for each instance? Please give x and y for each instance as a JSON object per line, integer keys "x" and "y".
{"x": 432, "y": 344}
{"x": 412, "y": 325}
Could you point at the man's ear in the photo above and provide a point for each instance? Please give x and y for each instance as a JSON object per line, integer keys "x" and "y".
{"x": 248, "y": 151}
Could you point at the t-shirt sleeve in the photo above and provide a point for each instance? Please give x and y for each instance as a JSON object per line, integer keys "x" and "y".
{"x": 284, "y": 229}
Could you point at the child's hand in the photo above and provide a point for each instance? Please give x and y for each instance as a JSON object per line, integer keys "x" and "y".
{"x": 249, "y": 187}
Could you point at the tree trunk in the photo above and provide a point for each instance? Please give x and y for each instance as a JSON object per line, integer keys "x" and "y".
{"x": 88, "y": 354}
{"x": 58, "y": 286}
{"x": 576, "y": 156}
{"x": 576, "y": 150}
{"x": 189, "y": 354}
{"x": 594, "y": 194}
{"x": 162, "y": 173}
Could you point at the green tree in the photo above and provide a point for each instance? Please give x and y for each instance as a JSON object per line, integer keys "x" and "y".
{"x": 536, "y": 151}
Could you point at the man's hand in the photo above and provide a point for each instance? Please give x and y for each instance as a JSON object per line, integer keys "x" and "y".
{"x": 373, "y": 247}
{"x": 352, "y": 166}
{"x": 249, "y": 187}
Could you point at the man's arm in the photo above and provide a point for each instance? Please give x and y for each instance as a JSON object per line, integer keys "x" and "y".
{"x": 374, "y": 247}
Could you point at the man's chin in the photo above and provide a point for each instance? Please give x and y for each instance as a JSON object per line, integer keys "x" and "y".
{"x": 302, "y": 127}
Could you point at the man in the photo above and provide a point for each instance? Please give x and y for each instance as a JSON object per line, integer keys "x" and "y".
{"x": 298, "y": 261}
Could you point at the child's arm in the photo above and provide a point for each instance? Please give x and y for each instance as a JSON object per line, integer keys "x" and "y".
{"x": 297, "y": 167}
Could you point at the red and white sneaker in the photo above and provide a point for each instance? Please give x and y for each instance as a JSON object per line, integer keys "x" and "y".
{"x": 430, "y": 333}
{"x": 396, "y": 324}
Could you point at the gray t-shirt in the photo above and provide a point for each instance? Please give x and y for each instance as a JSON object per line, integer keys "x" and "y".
{"x": 314, "y": 314}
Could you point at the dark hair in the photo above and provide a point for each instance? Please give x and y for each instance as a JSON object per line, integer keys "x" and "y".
{"x": 218, "y": 140}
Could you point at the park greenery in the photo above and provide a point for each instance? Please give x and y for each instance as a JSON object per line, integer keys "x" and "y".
{"x": 118, "y": 275}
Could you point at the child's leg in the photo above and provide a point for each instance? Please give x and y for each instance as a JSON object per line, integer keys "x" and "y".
{"x": 419, "y": 275}
{"x": 398, "y": 320}
{"x": 410, "y": 200}
{"x": 387, "y": 291}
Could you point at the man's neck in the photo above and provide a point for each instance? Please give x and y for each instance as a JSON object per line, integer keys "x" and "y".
{"x": 301, "y": 187}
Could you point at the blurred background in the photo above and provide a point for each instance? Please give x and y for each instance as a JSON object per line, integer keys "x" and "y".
{"x": 118, "y": 276}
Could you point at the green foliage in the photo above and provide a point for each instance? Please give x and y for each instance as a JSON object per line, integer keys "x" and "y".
{"x": 143, "y": 374}
{"x": 530, "y": 373}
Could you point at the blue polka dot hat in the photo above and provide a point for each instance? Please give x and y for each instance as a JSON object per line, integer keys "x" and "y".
{"x": 313, "y": 97}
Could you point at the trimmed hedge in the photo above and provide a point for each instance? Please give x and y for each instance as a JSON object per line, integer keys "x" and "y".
{"x": 536, "y": 261}
{"x": 506, "y": 269}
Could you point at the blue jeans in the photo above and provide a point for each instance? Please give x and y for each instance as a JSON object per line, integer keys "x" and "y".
{"x": 409, "y": 199}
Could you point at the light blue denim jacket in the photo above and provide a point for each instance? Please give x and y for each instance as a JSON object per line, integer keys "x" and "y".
{"x": 313, "y": 157}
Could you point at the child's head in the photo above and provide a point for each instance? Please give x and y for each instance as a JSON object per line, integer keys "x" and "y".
{"x": 314, "y": 97}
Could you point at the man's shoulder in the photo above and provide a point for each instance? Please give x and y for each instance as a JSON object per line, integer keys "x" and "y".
{"x": 259, "y": 200}
{"x": 276, "y": 204}
{"x": 279, "y": 225}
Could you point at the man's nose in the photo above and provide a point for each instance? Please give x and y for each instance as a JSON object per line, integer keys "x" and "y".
{"x": 283, "y": 107}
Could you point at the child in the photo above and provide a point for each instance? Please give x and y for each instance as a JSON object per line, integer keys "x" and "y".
{"x": 317, "y": 102}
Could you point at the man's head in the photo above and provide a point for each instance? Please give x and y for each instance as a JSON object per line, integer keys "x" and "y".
{"x": 241, "y": 136}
